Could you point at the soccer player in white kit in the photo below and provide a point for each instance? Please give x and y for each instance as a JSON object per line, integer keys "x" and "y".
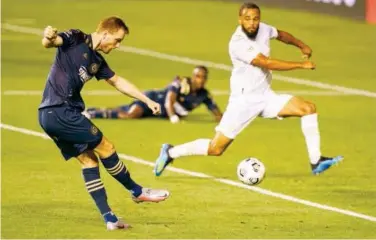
{"x": 251, "y": 94}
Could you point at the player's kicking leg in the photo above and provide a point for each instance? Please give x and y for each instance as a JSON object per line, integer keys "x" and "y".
{"x": 238, "y": 115}
{"x": 297, "y": 107}
{"x": 204, "y": 147}
{"x": 118, "y": 170}
{"x": 95, "y": 187}
{"x": 132, "y": 111}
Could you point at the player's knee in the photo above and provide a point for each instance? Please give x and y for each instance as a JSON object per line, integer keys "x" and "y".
{"x": 122, "y": 115}
{"x": 308, "y": 108}
{"x": 89, "y": 164}
{"x": 88, "y": 160}
{"x": 128, "y": 115}
{"x": 105, "y": 148}
{"x": 132, "y": 116}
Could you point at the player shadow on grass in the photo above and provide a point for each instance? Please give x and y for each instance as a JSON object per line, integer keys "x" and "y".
{"x": 201, "y": 118}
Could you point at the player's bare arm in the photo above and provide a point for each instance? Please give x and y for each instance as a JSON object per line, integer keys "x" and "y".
{"x": 217, "y": 114}
{"x": 288, "y": 38}
{"x": 50, "y": 38}
{"x": 279, "y": 65}
{"x": 169, "y": 105}
{"x": 131, "y": 90}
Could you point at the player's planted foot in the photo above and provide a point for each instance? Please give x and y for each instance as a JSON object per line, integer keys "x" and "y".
{"x": 151, "y": 195}
{"x": 113, "y": 223}
{"x": 163, "y": 160}
{"x": 325, "y": 163}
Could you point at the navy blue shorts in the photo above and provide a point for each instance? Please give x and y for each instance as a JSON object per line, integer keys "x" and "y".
{"x": 72, "y": 132}
{"x": 153, "y": 95}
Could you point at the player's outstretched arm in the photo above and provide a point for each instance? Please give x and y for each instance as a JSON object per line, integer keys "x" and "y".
{"x": 169, "y": 105}
{"x": 279, "y": 65}
{"x": 288, "y": 38}
{"x": 217, "y": 114}
{"x": 50, "y": 38}
{"x": 131, "y": 90}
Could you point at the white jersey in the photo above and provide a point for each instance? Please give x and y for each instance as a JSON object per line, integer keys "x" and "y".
{"x": 246, "y": 78}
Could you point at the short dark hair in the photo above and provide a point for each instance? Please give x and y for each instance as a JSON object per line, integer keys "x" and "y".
{"x": 248, "y": 5}
{"x": 112, "y": 24}
{"x": 202, "y": 67}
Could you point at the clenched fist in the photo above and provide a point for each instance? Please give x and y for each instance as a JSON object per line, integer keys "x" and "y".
{"x": 50, "y": 33}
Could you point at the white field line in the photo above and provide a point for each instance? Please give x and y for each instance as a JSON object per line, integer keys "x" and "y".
{"x": 146, "y": 52}
{"x": 214, "y": 92}
{"x": 221, "y": 180}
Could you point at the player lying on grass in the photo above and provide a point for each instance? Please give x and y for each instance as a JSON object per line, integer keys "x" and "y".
{"x": 176, "y": 100}
{"x": 251, "y": 94}
{"x": 77, "y": 61}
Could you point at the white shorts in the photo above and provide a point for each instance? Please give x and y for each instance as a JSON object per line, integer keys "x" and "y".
{"x": 243, "y": 109}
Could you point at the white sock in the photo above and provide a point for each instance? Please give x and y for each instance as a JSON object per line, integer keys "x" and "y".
{"x": 197, "y": 147}
{"x": 310, "y": 128}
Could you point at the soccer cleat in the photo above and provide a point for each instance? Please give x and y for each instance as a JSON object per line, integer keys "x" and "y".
{"x": 151, "y": 195}
{"x": 113, "y": 223}
{"x": 325, "y": 163}
{"x": 163, "y": 160}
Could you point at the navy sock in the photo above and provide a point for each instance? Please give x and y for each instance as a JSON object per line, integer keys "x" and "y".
{"x": 106, "y": 113}
{"x": 96, "y": 189}
{"x": 118, "y": 170}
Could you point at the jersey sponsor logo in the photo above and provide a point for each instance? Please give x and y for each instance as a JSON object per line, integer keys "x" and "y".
{"x": 84, "y": 75}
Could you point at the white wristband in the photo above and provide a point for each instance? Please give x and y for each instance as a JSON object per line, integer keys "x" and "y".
{"x": 174, "y": 118}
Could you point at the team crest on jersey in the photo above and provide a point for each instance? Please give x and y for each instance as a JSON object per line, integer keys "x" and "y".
{"x": 93, "y": 69}
{"x": 94, "y": 130}
{"x": 84, "y": 75}
{"x": 85, "y": 55}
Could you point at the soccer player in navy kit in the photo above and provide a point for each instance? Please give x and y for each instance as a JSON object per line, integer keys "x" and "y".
{"x": 77, "y": 61}
{"x": 180, "y": 97}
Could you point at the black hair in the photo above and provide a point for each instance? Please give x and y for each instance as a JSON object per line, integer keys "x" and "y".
{"x": 248, "y": 5}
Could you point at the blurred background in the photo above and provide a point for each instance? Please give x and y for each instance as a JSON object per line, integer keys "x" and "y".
{"x": 44, "y": 197}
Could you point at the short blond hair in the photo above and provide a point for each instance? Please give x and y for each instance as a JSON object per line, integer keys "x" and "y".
{"x": 112, "y": 24}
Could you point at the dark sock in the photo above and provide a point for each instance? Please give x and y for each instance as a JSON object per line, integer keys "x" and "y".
{"x": 96, "y": 189}
{"x": 118, "y": 170}
{"x": 106, "y": 113}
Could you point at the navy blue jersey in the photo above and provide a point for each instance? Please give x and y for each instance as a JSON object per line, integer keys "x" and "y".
{"x": 75, "y": 63}
{"x": 190, "y": 100}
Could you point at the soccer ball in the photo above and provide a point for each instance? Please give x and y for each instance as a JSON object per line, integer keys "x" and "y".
{"x": 251, "y": 171}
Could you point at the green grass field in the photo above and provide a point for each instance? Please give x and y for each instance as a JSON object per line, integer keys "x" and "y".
{"x": 45, "y": 197}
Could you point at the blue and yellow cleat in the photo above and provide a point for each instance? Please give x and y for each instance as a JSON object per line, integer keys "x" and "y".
{"x": 325, "y": 163}
{"x": 163, "y": 160}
